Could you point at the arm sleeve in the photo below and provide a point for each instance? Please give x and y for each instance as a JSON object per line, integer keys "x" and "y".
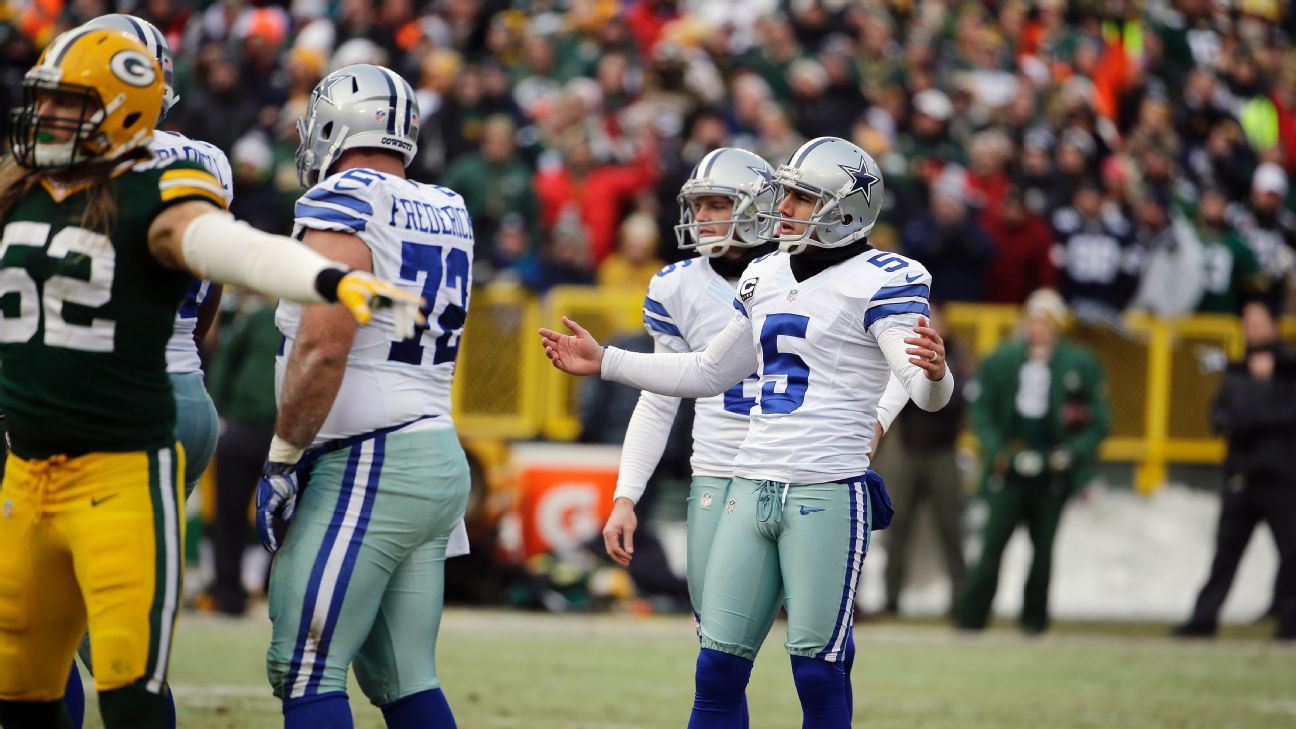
{"x": 928, "y": 395}
{"x": 727, "y": 360}
{"x": 224, "y": 250}
{"x": 893, "y": 400}
{"x": 645, "y": 441}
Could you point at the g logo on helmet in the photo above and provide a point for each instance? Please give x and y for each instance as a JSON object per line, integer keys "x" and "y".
{"x": 133, "y": 68}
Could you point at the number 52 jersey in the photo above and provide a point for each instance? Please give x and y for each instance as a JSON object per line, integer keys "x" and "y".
{"x": 420, "y": 237}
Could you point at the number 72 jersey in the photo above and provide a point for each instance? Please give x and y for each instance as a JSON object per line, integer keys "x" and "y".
{"x": 420, "y": 237}
{"x": 821, "y": 368}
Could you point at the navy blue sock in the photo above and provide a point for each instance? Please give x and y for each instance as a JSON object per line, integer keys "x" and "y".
{"x": 171, "y": 715}
{"x": 746, "y": 716}
{"x": 321, "y": 711}
{"x": 718, "y": 701}
{"x": 849, "y": 652}
{"x": 423, "y": 710}
{"x": 74, "y": 697}
{"x": 822, "y": 688}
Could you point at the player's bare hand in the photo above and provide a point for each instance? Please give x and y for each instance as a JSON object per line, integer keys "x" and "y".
{"x": 927, "y": 350}
{"x": 577, "y": 353}
{"x": 618, "y": 533}
{"x": 363, "y": 293}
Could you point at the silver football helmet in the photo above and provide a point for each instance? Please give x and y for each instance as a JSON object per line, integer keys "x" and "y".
{"x": 156, "y": 43}
{"x": 847, "y": 186}
{"x": 739, "y": 175}
{"x": 358, "y": 106}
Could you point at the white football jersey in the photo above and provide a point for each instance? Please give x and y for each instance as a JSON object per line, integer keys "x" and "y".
{"x": 687, "y": 305}
{"x": 181, "y": 351}
{"x": 420, "y": 237}
{"x": 821, "y": 369}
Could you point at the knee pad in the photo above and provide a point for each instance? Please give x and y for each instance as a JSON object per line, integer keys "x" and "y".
{"x": 721, "y": 678}
{"x": 120, "y": 657}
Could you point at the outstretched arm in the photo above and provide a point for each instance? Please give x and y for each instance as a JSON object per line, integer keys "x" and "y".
{"x": 197, "y": 237}
{"x": 728, "y": 359}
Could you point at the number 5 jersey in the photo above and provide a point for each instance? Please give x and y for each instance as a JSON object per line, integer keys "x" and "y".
{"x": 420, "y": 236}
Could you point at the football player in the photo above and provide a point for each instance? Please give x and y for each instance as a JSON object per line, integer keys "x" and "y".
{"x": 687, "y": 304}
{"x": 197, "y": 424}
{"x": 823, "y": 322}
{"x": 366, "y": 418}
{"x": 99, "y": 243}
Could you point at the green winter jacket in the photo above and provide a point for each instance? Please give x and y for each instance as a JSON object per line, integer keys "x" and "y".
{"x": 1078, "y": 414}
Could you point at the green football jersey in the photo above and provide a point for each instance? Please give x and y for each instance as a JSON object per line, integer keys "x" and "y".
{"x": 85, "y": 317}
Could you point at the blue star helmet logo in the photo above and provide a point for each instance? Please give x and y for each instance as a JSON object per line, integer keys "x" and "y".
{"x": 864, "y": 180}
{"x": 325, "y": 88}
{"x": 767, "y": 178}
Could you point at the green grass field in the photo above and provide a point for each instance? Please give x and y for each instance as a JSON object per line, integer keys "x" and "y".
{"x": 507, "y": 669}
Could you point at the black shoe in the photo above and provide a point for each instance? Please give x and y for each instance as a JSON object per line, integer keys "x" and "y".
{"x": 1194, "y": 630}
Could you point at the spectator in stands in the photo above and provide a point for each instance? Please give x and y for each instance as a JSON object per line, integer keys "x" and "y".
{"x": 1231, "y": 272}
{"x": 950, "y": 243}
{"x": 1171, "y": 282}
{"x": 563, "y": 258}
{"x": 1255, "y": 410}
{"x": 917, "y": 459}
{"x": 1023, "y": 247}
{"x": 1094, "y": 251}
{"x": 1039, "y": 407}
{"x": 596, "y": 190}
{"x": 635, "y": 261}
{"x": 241, "y": 382}
{"x": 1269, "y": 229}
{"x": 221, "y": 113}
{"x": 494, "y": 181}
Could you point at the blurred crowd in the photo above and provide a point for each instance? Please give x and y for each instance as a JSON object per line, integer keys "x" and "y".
{"x": 1131, "y": 153}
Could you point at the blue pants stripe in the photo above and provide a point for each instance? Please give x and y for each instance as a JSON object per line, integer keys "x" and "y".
{"x": 348, "y": 564}
{"x": 317, "y": 573}
{"x": 846, "y": 609}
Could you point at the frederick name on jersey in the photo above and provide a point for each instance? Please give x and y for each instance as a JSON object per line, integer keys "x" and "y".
{"x": 421, "y": 237}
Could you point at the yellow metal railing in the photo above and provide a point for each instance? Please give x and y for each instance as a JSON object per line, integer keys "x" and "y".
{"x": 1161, "y": 375}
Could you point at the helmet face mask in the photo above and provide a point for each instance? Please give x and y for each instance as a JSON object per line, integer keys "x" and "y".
{"x": 357, "y": 106}
{"x": 54, "y": 140}
{"x": 736, "y": 174}
{"x": 93, "y": 96}
{"x": 846, "y": 185}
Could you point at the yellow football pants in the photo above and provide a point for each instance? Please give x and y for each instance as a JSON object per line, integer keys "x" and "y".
{"x": 98, "y": 537}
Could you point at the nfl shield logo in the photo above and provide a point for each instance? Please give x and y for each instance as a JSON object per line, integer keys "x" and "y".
{"x": 381, "y": 115}
{"x": 729, "y": 507}
{"x": 792, "y": 295}
{"x": 706, "y": 500}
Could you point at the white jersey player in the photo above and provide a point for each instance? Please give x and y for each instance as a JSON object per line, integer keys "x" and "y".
{"x": 416, "y": 233}
{"x": 824, "y": 330}
{"x": 359, "y": 580}
{"x": 196, "y": 420}
{"x": 687, "y": 305}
